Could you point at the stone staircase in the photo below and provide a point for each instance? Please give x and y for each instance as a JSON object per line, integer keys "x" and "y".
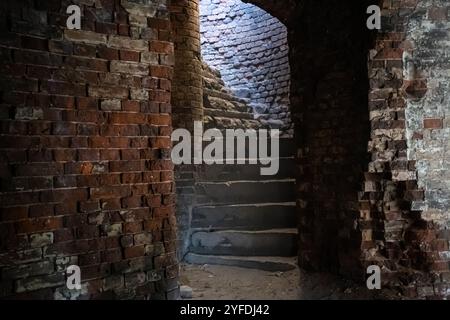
{"x": 222, "y": 109}
{"x": 242, "y": 218}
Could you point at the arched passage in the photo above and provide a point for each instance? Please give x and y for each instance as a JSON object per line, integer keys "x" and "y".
{"x": 329, "y": 107}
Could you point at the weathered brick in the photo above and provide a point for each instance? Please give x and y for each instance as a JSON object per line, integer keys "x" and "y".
{"x": 133, "y": 252}
{"x": 39, "y": 224}
{"x": 41, "y": 239}
{"x": 108, "y": 92}
{"x": 85, "y": 36}
{"x": 35, "y": 283}
{"x": 161, "y": 47}
{"x": 28, "y": 270}
{"x": 128, "y": 55}
{"x": 150, "y": 58}
{"x": 432, "y": 123}
{"x": 126, "y": 43}
{"x": 129, "y": 67}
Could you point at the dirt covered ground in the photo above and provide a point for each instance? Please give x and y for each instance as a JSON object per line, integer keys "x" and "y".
{"x": 212, "y": 282}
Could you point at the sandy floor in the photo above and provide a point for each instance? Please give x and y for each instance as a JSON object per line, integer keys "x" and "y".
{"x": 211, "y": 282}
{"x": 232, "y": 283}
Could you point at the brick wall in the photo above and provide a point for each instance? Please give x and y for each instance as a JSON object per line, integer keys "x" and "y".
{"x": 406, "y": 199}
{"x": 249, "y": 47}
{"x": 86, "y": 176}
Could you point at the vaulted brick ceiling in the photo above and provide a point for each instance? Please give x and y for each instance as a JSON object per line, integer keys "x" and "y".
{"x": 281, "y": 9}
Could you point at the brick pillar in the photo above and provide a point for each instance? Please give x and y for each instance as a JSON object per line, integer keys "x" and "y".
{"x": 187, "y": 101}
{"x": 187, "y": 94}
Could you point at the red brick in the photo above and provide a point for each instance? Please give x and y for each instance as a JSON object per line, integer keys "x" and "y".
{"x": 124, "y": 30}
{"x": 129, "y": 55}
{"x": 433, "y": 123}
{"x": 133, "y": 252}
{"x": 87, "y": 103}
{"x": 130, "y": 154}
{"x": 13, "y": 213}
{"x": 131, "y": 178}
{"x": 159, "y": 23}
{"x": 88, "y": 155}
{"x": 66, "y": 208}
{"x": 160, "y": 142}
{"x": 128, "y": 118}
{"x": 129, "y": 105}
{"x": 161, "y": 72}
{"x": 165, "y": 85}
{"x": 109, "y": 154}
{"x": 132, "y": 227}
{"x": 110, "y": 192}
{"x": 87, "y": 63}
{"x": 41, "y": 210}
{"x": 38, "y": 225}
{"x": 125, "y": 166}
{"x": 108, "y": 53}
{"x": 153, "y": 201}
{"x": 160, "y": 119}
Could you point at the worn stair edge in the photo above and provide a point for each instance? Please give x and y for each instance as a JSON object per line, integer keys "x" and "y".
{"x": 239, "y": 192}
{"x": 265, "y": 263}
{"x": 273, "y": 242}
{"x": 257, "y": 216}
{"x": 229, "y": 114}
{"x": 233, "y": 172}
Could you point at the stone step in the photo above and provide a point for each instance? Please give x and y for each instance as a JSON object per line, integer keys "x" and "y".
{"x": 272, "y": 264}
{"x": 273, "y": 242}
{"x": 224, "y": 104}
{"x": 210, "y": 72}
{"x": 213, "y": 83}
{"x": 211, "y": 122}
{"x": 245, "y": 216}
{"x": 228, "y": 114}
{"x": 233, "y": 172}
{"x": 245, "y": 192}
{"x": 287, "y": 147}
{"x": 222, "y": 95}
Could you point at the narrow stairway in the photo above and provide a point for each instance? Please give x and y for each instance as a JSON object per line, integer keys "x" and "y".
{"x": 242, "y": 218}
